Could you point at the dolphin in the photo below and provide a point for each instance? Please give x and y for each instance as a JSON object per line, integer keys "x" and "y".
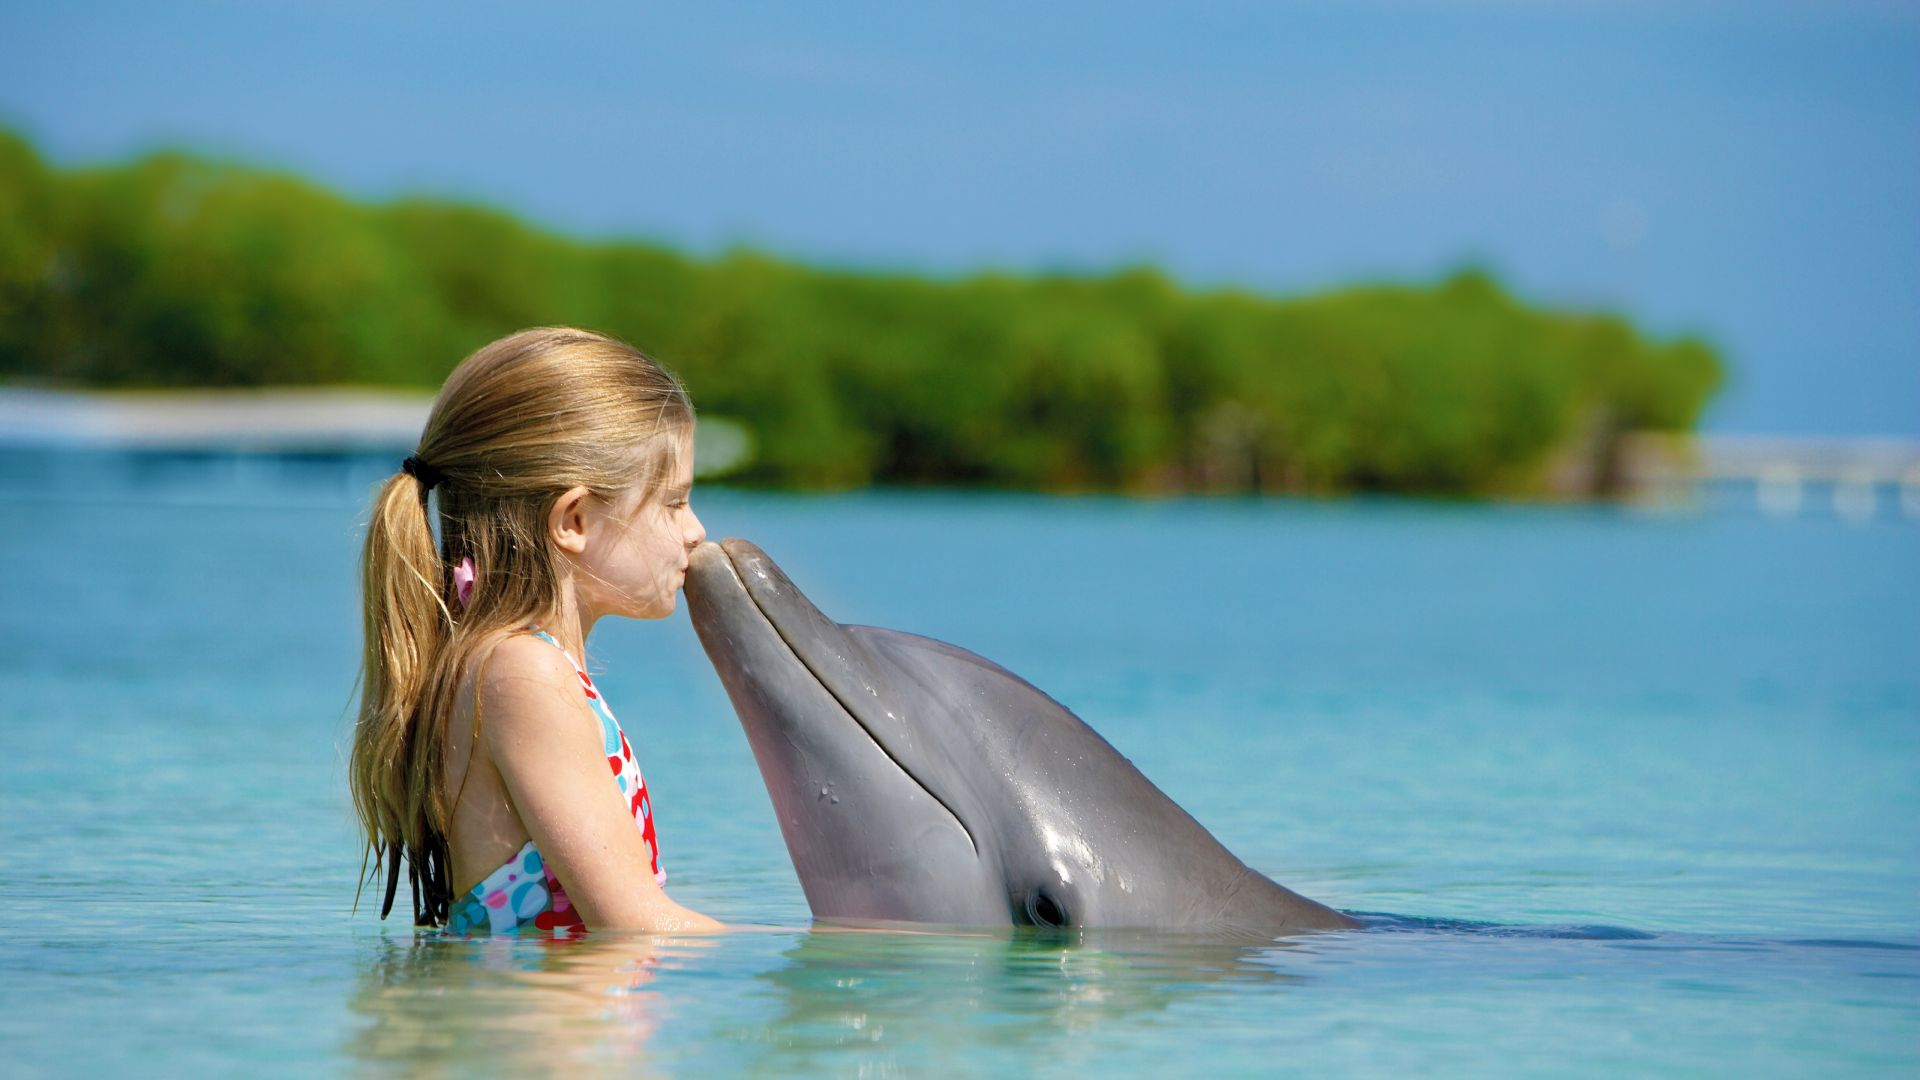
{"x": 917, "y": 782}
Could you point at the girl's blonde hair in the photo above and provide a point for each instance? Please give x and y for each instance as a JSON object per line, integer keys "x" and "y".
{"x": 517, "y": 424}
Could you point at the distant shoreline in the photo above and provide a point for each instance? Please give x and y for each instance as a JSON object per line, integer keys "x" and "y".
{"x": 171, "y": 270}
{"x": 351, "y": 419}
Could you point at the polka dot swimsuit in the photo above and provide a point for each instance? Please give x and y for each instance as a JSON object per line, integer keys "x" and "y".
{"x": 524, "y": 891}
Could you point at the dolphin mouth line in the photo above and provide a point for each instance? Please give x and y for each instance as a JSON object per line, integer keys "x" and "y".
{"x": 844, "y": 707}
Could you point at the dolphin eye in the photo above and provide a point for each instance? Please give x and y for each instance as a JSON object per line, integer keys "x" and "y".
{"x": 1045, "y": 911}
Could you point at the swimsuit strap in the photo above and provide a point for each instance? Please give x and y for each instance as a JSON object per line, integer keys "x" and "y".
{"x": 586, "y": 681}
{"x": 549, "y": 639}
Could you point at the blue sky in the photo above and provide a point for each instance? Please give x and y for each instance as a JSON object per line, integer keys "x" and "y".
{"x": 1747, "y": 170}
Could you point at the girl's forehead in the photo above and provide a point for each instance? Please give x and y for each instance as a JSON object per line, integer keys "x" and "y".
{"x": 667, "y": 458}
{"x": 683, "y": 460}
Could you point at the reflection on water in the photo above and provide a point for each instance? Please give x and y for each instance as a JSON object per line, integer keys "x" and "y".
{"x": 836, "y": 1001}
{"x": 909, "y": 1000}
{"x": 831, "y": 997}
{"x": 443, "y": 1004}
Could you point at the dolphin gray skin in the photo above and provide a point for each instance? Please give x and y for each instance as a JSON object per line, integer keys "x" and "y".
{"x": 916, "y": 782}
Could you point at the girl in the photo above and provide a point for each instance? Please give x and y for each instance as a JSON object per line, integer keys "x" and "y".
{"x": 484, "y": 756}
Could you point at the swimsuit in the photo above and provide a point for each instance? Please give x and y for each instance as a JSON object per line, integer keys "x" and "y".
{"x": 524, "y": 889}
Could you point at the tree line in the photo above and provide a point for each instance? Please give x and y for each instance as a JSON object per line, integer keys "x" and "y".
{"x": 177, "y": 271}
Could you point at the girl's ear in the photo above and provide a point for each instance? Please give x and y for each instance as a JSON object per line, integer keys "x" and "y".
{"x": 567, "y": 521}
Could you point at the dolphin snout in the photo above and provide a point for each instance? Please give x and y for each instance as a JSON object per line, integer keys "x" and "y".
{"x": 714, "y": 565}
{"x": 710, "y": 581}
{"x": 706, "y": 560}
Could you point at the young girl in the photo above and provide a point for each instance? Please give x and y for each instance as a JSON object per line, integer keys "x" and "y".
{"x": 561, "y": 462}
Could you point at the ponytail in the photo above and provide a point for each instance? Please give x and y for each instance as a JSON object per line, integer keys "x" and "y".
{"x": 396, "y": 758}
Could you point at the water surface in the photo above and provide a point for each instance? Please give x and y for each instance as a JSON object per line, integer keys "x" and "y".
{"x": 1624, "y": 792}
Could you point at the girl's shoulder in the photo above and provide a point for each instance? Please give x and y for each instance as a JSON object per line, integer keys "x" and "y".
{"x": 519, "y": 678}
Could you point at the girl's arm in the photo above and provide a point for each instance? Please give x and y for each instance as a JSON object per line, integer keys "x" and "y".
{"x": 545, "y": 741}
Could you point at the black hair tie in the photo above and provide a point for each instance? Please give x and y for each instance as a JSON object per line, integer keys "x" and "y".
{"x": 423, "y": 472}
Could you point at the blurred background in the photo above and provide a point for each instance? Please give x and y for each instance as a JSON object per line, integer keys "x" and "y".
{"x": 1466, "y": 453}
{"x": 1458, "y": 249}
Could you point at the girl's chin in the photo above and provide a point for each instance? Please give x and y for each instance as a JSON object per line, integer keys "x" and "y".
{"x": 659, "y": 610}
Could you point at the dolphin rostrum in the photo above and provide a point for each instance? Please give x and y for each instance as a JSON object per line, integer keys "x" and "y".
{"x": 917, "y": 782}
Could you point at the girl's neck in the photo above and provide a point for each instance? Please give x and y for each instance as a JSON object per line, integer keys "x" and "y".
{"x": 572, "y": 622}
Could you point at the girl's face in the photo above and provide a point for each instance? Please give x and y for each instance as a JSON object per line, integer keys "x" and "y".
{"x": 636, "y": 557}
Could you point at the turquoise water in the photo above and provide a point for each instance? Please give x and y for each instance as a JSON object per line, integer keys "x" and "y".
{"x": 1627, "y": 793}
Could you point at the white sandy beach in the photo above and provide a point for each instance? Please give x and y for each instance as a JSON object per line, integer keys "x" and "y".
{"x": 270, "y": 419}
{"x": 279, "y": 419}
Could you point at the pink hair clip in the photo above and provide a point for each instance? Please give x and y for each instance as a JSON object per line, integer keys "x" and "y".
{"x": 463, "y": 580}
